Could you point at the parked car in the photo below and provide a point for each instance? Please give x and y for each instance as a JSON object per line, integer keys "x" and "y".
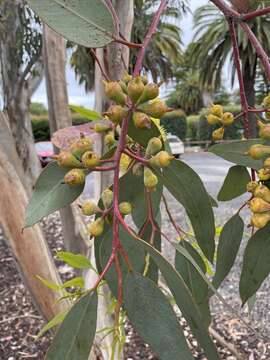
{"x": 44, "y": 151}
{"x": 176, "y": 145}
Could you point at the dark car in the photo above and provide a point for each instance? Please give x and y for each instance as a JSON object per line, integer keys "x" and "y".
{"x": 44, "y": 151}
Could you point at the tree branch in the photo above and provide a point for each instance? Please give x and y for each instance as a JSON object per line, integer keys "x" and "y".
{"x": 256, "y": 13}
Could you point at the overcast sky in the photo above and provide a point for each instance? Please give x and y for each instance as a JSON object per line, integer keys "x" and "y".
{"x": 76, "y": 92}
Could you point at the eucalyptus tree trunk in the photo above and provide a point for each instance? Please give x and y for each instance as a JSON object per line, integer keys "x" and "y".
{"x": 19, "y": 164}
{"x": 19, "y": 83}
{"x": 54, "y": 47}
{"x": 249, "y": 76}
{"x": 117, "y": 57}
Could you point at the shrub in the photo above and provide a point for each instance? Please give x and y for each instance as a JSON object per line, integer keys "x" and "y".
{"x": 192, "y": 127}
{"x": 38, "y": 109}
{"x": 175, "y": 122}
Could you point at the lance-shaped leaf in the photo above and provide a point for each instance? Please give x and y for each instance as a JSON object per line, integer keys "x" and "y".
{"x": 76, "y": 261}
{"x": 88, "y": 114}
{"x": 193, "y": 279}
{"x": 84, "y": 22}
{"x": 153, "y": 318}
{"x": 184, "y": 300}
{"x": 56, "y": 320}
{"x": 235, "y": 183}
{"x": 228, "y": 246}
{"x": 75, "y": 336}
{"x": 236, "y": 152}
{"x": 186, "y": 186}
{"x": 256, "y": 264}
{"x": 50, "y": 194}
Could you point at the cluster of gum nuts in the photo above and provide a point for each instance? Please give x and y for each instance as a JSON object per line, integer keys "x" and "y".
{"x": 216, "y": 115}
{"x": 129, "y": 93}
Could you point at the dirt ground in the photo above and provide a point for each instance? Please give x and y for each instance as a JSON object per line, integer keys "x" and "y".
{"x": 20, "y": 323}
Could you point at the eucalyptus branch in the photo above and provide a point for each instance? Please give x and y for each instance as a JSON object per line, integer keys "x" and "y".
{"x": 102, "y": 70}
{"x": 256, "y": 13}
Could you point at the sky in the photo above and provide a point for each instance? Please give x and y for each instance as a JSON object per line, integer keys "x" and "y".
{"x": 77, "y": 95}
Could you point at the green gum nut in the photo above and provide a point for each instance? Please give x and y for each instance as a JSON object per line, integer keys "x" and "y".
{"x": 116, "y": 113}
{"x": 264, "y": 131}
{"x": 218, "y": 134}
{"x": 141, "y": 120}
{"x": 67, "y": 159}
{"x": 75, "y": 177}
{"x": 96, "y": 227}
{"x": 216, "y": 110}
{"x": 150, "y": 92}
{"x": 89, "y": 208}
{"x": 227, "y": 119}
{"x": 262, "y": 192}
{"x": 135, "y": 89}
{"x": 156, "y": 108}
{"x": 90, "y": 159}
{"x": 154, "y": 146}
{"x": 107, "y": 198}
{"x": 213, "y": 119}
{"x": 161, "y": 159}
{"x": 258, "y": 205}
{"x": 79, "y": 147}
{"x": 150, "y": 179}
{"x": 259, "y": 151}
{"x": 125, "y": 208}
{"x": 260, "y": 220}
{"x": 114, "y": 92}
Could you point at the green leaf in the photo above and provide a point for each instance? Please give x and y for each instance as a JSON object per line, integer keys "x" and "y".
{"x": 132, "y": 190}
{"x": 236, "y": 152}
{"x": 135, "y": 253}
{"x": 256, "y": 264}
{"x": 76, "y": 261}
{"x": 49, "y": 284}
{"x": 142, "y": 136}
{"x": 235, "y": 183}
{"x": 56, "y": 320}
{"x": 76, "y": 282}
{"x": 186, "y": 186}
{"x": 76, "y": 334}
{"x": 50, "y": 194}
{"x": 90, "y": 115}
{"x": 183, "y": 299}
{"x": 154, "y": 319}
{"x": 193, "y": 279}
{"x": 228, "y": 246}
{"x": 84, "y": 22}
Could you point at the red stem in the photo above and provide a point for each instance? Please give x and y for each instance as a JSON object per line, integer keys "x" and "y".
{"x": 256, "y": 13}
{"x": 236, "y": 57}
{"x": 103, "y": 168}
{"x": 103, "y": 72}
{"x": 148, "y": 37}
{"x": 227, "y": 10}
{"x": 136, "y": 157}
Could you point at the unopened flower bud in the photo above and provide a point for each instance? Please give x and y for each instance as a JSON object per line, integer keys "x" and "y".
{"x": 67, "y": 159}
{"x": 150, "y": 92}
{"x": 213, "y": 119}
{"x": 150, "y": 179}
{"x": 227, "y": 119}
{"x": 264, "y": 174}
{"x": 116, "y": 113}
{"x": 156, "y": 108}
{"x": 89, "y": 208}
{"x": 251, "y": 186}
{"x": 218, "y": 134}
{"x": 135, "y": 89}
{"x": 79, "y": 147}
{"x": 109, "y": 140}
{"x": 100, "y": 128}
{"x": 260, "y": 220}
{"x": 141, "y": 120}
{"x": 125, "y": 208}
{"x": 161, "y": 159}
{"x": 264, "y": 131}
{"x": 216, "y": 110}
{"x": 107, "y": 198}
{"x": 127, "y": 78}
{"x": 96, "y": 227}
{"x": 258, "y": 205}
{"x": 154, "y": 146}
{"x": 75, "y": 177}
{"x": 262, "y": 192}
{"x": 114, "y": 92}
{"x": 258, "y": 151}
{"x": 266, "y": 102}
{"x": 90, "y": 159}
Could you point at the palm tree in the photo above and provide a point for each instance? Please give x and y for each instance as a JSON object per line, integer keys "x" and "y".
{"x": 212, "y": 48}
{"x": 162, "y": 55}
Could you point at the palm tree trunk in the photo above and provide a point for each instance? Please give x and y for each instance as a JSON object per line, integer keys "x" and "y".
{"x": 249, "y": 83}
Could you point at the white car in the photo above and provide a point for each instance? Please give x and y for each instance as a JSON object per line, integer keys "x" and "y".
{"x": 176, "y": 145}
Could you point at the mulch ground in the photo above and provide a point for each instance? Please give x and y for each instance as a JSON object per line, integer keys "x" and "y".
{"x": 20, "y": 322}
